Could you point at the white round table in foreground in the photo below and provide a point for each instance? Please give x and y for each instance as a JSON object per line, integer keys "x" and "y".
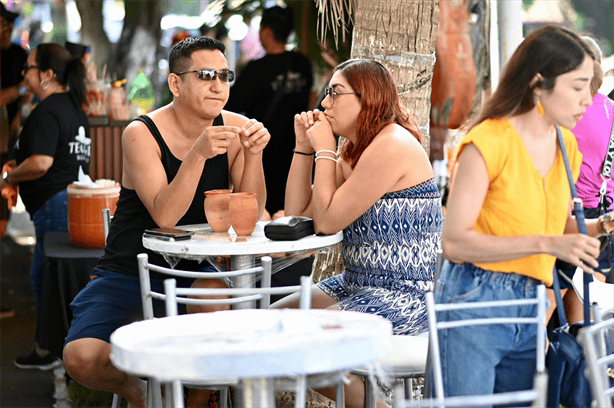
{"x": 252, "y": 346}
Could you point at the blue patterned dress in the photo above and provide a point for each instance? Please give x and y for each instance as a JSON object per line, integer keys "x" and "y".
{"x": 389, "y": 254}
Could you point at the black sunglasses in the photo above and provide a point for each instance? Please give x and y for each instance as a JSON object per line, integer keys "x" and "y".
{"x": 27, "y": 67}
{"x": 206, "y": 74}
{"x": 330, "y": 91}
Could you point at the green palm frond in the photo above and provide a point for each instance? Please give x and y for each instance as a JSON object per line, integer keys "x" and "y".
{"x": 333, "y": 15}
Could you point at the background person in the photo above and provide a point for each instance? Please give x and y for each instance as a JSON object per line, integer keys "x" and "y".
{"x": 12, "y": 59}
{"x": 380, "y": 192}
{"x": 171, "y": 157}
{"x": 49, "y": 153}
{"x": 593, "y": 135}
{"x": 508, "y": 213}
{"x": 273, "y": 89}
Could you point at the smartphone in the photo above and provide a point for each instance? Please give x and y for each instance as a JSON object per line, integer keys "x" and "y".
{"x": 169, "y": 234}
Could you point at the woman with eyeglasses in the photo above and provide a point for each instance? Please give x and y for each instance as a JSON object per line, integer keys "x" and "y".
{"x": 380, "y": 190}
{"x": 52, "y": 146}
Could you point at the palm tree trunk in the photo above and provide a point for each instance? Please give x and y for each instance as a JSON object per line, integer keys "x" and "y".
{"x": 401, "y": 35}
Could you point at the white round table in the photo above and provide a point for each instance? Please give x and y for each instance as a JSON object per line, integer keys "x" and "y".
{"x": 253, "y": 346}
{"x": 208, "y": 245}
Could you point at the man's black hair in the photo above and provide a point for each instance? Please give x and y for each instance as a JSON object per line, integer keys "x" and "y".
{"x": 179, "y": 59}
{"x": 280, "y": 20}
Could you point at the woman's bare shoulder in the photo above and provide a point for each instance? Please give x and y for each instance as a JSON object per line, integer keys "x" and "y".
{"x": 396, "y": 140}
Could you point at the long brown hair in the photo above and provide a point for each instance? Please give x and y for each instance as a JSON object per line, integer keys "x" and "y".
{"x": 549, "y": 51}
{"x": 379, "y": 105}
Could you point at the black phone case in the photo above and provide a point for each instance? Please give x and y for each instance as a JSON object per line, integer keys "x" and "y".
{"x": 289, "y": 228}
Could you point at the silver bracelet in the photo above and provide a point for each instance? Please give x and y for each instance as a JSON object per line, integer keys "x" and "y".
{"x": 325, "y": 151}
{"x": 325, "y": 157}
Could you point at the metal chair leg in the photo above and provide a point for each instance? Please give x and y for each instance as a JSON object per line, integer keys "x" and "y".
{"x": 340, "y": 395}
{"x": 224, "y": 397}
{"x": 116, "y": 401}
{"x": 370, "y": 394}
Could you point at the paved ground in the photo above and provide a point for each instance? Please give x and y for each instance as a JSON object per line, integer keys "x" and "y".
{"x": 20, "y": 388}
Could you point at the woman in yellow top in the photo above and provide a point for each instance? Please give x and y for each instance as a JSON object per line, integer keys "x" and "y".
{"x": 508, "y": 214}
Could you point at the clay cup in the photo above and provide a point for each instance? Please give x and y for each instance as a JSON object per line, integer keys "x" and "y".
{"x": 217, "y": 209}
{"x": 243, "y": 213}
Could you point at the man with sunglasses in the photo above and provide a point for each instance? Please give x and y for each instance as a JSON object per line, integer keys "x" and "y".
{"x": 171, "y": 156}
{"x": 273, "y": 89}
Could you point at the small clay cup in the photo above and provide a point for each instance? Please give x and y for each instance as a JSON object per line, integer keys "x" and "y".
{"x": 217, "y": 209}
{"x": 243, "y": 213}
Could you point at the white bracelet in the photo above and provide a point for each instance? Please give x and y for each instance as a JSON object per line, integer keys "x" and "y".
{"x": 325, "y": 157}
{"x": 325, "y": 151}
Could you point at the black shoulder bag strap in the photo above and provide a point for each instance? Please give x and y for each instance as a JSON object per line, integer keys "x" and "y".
{"x": 579, "y": 212}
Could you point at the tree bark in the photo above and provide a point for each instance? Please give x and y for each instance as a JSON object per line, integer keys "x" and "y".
{"x": 401, "y": 35}
{"x": 137, "y": 47}
{"x": 92, "y": 30}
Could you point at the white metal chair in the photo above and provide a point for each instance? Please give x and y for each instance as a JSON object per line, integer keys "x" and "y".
{"x": 597, "y": 342}
{"x": 536, "y": 395}
{"x": 154, "y": 396}
{"x": 174, "y": 296}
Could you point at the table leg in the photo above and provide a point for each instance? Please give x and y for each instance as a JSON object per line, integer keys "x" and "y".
{"x": 256, "y": 392}
{"x": 238, "y": 262}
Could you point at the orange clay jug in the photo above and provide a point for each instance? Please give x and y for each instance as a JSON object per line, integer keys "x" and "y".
{"x": 85, "y": 205}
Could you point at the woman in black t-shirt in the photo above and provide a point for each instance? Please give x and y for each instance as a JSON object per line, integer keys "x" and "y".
{"x": 52, "y": 146}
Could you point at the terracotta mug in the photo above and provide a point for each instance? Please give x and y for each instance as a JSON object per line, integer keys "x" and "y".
{"x": 243, "y": 213}
{"x": 217, "y": 209}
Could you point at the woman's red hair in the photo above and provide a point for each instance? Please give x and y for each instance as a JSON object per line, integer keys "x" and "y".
{"x": 379, "y": 105}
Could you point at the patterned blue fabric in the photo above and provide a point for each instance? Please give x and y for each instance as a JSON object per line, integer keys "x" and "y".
{"x": 390, "y": 253}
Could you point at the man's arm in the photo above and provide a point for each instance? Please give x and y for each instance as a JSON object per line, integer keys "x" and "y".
{"x": 143, "y": 170}
{"x": 245, "y": 157}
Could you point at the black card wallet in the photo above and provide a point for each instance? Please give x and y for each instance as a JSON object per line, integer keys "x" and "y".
{"x": 289, "y": 228}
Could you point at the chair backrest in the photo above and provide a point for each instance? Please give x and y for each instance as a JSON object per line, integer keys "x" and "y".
{"x": 537, "y": 395}
{"x": 597, "y": 342}
{"x": 175, "y": 295}
{"x": 147, "y": 294}
{"x": 106, "y": 222}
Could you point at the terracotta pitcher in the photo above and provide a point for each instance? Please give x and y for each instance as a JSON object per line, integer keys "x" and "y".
{"x": 217, "y": 209}
{"x": 243, "y": 213}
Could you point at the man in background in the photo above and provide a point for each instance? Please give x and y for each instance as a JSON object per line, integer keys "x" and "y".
{"x": 273, "y": 89}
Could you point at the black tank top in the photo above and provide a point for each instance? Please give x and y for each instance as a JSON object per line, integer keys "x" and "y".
{"x": 131, "y": 217}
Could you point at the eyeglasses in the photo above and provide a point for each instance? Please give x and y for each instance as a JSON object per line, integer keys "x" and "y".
{"x": 225, "y": 75}
{"x": 27, "y": 67}
{"x": 330, "y": 91}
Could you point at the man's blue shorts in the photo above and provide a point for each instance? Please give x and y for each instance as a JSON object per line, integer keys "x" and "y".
{"x": 111, "y": 300}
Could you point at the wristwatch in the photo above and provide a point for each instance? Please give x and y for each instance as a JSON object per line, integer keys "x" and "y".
{"x": 22, "y": 90}
{"x": 5, "y": 177}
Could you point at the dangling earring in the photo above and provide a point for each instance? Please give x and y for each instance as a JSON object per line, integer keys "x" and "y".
{"x": 540, "y": 108}
{"x": 46, "y": 85}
